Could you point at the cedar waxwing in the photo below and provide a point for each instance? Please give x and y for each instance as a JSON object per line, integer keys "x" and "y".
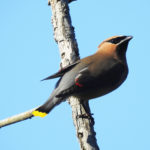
{"x": 90, "y": 77}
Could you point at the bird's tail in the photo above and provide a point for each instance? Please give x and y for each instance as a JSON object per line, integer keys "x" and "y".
{"x": 44, "y": 109}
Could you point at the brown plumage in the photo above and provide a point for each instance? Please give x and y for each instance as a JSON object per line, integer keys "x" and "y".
{"x": 93, "y": 76}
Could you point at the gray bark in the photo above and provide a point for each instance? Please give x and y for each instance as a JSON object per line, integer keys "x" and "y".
{"x": 65, "y": 37}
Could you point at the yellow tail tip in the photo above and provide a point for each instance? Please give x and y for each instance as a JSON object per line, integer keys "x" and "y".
{"x": 38, "y": 113}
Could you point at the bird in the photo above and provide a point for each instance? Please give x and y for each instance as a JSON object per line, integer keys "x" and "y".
{"x": 92, "y": 76}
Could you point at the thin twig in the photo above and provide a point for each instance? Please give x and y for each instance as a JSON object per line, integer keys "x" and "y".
{"x": 17, "y": 118}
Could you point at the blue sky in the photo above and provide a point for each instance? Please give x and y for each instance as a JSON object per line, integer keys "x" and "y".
{"x": 28, "y": 53}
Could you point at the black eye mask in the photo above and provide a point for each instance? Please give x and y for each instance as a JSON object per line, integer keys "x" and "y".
{"x": 116, "y": 40}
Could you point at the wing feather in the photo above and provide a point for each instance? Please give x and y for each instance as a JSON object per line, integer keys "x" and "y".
{"x": 62, "y": 71}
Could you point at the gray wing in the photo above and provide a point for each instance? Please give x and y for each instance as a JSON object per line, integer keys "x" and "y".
{"x": 62, "y": 71}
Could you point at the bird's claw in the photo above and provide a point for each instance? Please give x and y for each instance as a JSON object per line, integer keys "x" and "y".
{"x": 87, "y": 116}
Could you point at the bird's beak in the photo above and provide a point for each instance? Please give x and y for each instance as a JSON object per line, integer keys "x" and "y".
{"x": 125, "y": 40}
{"x": 128, "y": 38}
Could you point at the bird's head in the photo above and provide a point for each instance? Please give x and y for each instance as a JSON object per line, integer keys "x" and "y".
{"x": 115, "y": 45}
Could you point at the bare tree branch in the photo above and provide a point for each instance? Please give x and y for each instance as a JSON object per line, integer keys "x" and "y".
{"x": 65, "y": 38}
{"x": 17, "y": 118}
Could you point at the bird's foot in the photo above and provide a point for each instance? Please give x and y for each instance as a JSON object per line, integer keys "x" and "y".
{"x": 87, "y": 116}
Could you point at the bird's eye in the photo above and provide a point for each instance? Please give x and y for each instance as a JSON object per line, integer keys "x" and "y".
{"x": 116, "y": 40}
{"x": 112, "y": 41}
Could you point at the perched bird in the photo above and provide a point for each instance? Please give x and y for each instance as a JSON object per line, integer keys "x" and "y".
{"x": 92, "y": 76}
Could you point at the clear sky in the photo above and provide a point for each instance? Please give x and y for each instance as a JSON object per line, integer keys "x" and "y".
{"x": 28, "y": 53}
